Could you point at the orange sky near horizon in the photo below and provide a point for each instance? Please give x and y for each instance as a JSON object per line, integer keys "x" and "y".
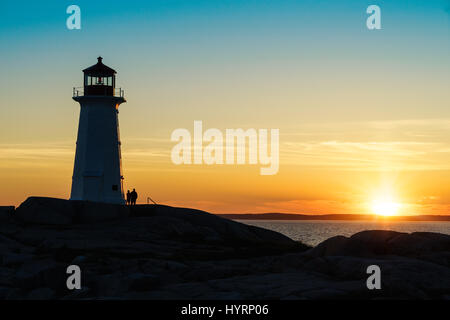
{"x": 315, "y": 176}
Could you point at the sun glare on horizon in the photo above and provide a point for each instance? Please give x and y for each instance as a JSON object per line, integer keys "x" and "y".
{"x": 385, "y": 207}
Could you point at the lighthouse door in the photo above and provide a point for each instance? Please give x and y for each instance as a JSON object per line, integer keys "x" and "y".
{"x": 93, "y": 187}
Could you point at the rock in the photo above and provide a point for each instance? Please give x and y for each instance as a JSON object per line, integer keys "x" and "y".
{"x": 291, "y": 297}
{"x": 78, "y": 260}
{"x": 41, "y": 273}
{"x": 419, "y": 243}
{"x": 209, "y": 225}
{"x": 41, "y": 294}
{"x": 225, "y": 296}
{"x": 332, "y": 246}
{"x": 323, "y": 294}
{"x": 175, "y": 266}
{"x": 13, "y": 259}
{"x": 160, "y": 252}
{"x": 152, "y": 295}
{"x": 207, "y": 273}
{"x": 14, "y": 294}
{"x": 6, "y": 276}
{"x": 191, "y": 290}
{"x": 36, "y": 210}
{"x": 415, "y": 279}
{"x": 93, "y": 212}
{"x": 143, "y": 282}
{"x": 4, "y": 291}
{"x": 110, "y": 285}
{"x": 381, "y": 242}
{"x": 6, "y": 213}
{"x": 75, "y": 294}
{"x": 50, "y": 211}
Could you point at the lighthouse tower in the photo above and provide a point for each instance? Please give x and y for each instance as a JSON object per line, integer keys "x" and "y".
{"x": 97, "y": 173}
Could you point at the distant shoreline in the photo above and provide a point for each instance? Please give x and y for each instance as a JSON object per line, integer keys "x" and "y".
{"x": 341, "y": 217}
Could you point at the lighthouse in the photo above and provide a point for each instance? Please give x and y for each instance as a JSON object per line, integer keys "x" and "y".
{"x": 97, "y": 173}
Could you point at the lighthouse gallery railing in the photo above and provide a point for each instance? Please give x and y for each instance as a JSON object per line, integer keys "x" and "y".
{"x": 117, "y": 92}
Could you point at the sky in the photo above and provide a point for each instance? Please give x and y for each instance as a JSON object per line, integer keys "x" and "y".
{"x": 362, "y": 114}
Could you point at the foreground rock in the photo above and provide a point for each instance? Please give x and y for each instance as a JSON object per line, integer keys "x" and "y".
{"x": 6, "y": 213}
{"x": 376, "y": 243}
{"x": 50, "y": 211}
{"x": 160, "y": 252}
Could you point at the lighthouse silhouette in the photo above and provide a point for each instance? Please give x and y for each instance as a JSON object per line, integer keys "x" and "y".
{"x": 97, "y": 173}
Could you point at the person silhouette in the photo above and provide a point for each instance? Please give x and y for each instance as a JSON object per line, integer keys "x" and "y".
{"x": 128, "y": 197}
{"x": 134, "y": 196}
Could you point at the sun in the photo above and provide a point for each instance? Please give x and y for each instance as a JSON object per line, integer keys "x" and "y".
{"x": 385, "y": 207}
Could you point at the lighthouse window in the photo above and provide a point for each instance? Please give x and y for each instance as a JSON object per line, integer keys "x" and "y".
{"x": 99, "y": 81}
{"x": 90, "y": 81}
{"x": 115, "y": 187}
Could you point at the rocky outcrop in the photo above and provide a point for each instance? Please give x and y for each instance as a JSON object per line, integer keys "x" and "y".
{"x": 381, "y": 242}
{"x": 6, "y": 213}
{"x": 160, "y": 252}
{"x": 51, "y": 211}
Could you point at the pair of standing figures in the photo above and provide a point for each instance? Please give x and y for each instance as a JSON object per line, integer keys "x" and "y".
{"x": 132, "y": 197}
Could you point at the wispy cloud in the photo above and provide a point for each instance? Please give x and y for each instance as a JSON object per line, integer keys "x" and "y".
{"x": 401, "y": 144}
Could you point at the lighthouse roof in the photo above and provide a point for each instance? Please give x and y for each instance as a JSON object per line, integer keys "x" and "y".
{"x": 99, "y": 69}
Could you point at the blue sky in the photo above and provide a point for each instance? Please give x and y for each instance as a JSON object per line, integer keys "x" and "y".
{"x": 224, "y": 27}
{"x": 183, "y": 45}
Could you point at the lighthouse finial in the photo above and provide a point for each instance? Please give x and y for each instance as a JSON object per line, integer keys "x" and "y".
{"x": 100, "y": 59}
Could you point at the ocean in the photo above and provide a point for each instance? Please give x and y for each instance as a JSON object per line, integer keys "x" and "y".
{"x": 313, "y": 232}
